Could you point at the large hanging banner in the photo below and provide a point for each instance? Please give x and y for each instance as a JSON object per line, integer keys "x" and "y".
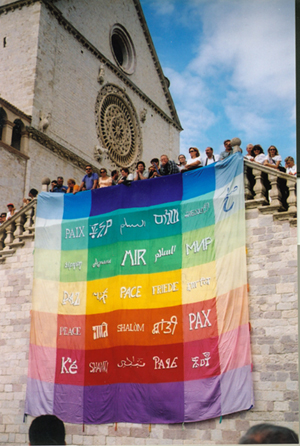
{"x": 140, "y": 307}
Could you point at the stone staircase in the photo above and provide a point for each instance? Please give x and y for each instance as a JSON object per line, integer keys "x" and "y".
{"x": 268, "y": 190}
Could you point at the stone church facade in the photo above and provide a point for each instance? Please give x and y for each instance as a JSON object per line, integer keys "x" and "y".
{"x": 80, "y": 82}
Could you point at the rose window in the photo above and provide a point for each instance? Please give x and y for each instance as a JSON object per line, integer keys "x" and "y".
{"x": 117, "y": 126}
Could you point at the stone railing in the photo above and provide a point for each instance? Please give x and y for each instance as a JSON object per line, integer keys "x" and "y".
{"x": 267, "y": 189}
{"x": 271, "y": 191}
{"x": 15, "y": 230}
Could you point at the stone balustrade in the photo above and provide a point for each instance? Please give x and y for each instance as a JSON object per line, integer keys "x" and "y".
{"x": 18, "y": 228}
{"x": 271, "y": 191}
{"x": 267, "y": 189}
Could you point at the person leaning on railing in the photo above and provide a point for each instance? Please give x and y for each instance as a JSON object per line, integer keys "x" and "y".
{"x": 72, "y": 186}
{"x": 141, "y": 173}
{"x": 126, "y": 177}
{"x": 290, "y": 166}
{"x": 258, "y": 154}
{"x": 32, "y": 194}
{"x": 90, "y": 179}
{"x": 195, "y": 161}
{"x": 273, "y": 159}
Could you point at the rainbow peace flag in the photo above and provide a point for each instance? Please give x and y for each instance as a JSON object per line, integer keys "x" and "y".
{"x": 140, "y": 307}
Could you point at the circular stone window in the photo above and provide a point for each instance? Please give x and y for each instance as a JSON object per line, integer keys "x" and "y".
{"x": 117, "y": 126}
{"x": 122, "y": 49}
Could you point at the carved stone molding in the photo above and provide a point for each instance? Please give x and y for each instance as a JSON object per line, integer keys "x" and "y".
{"x": 16, "y": 5}
{"x": 19, "y": 114}
{"x": 58, "y": 149}
{"x": 117, "y": 126}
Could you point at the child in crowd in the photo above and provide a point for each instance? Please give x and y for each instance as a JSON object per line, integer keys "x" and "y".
{"x": 290, "y": 165}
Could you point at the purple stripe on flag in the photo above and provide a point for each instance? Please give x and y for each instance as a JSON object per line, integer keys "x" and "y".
{"x": 202, "y": 399}
{"x": 41, "y": 397}
{"x": 237, "y": 390}
{"x": 99, "y": 404}
{"x": 68, "y": 405}
{"x": 126, "y": 403}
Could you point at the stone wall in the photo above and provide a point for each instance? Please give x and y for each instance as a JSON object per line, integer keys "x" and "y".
{"x": 272, "y": 278}
{"x": 18, "y": 57}
{"x": 12, "y": 179}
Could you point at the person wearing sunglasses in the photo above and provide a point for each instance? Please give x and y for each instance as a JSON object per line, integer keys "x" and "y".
{"x": 104, "y": 180}
{"x": 273, "y": 159}
{"x": 2, "y": 218}
{"x": 258, "y": 154}
{"x": 90, "y": 179}
{"x": 195, "y": 160}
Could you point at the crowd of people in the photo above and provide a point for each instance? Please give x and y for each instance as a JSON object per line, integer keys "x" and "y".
{"x": 162, "y": 167}
{"x": 11, "y": 210}
{"x": 256, "y": 154}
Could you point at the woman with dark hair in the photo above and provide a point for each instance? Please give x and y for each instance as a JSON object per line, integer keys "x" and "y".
{"x": 273, "y": 159}
{"x": 258, "y": 154}
{"x": 104, "y": 180}
{"x": 32, "y": 194}
{"x": 195, "y": 161}
{"x": 126, "y": 176}
{"x": 140, "y": 173}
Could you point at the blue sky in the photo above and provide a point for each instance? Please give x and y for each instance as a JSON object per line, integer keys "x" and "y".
{"x": 231, "y": 64}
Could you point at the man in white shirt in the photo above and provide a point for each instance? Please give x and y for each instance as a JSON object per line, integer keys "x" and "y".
{"x": 209, "y": 158}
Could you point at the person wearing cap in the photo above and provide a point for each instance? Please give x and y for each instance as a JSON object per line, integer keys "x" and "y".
{"x": 11, "y": 211}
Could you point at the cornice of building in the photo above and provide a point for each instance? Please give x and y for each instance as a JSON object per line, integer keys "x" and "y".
{"x": 59, "y": 149}
{"x": 116, "y": 70}
{"x": 155, "y": 59}
{"x": 14, "y": 109}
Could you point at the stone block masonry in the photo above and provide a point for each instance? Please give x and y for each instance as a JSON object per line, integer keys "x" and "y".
{"x": 19, "y": 56}
{"x": 273, "y": 318}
